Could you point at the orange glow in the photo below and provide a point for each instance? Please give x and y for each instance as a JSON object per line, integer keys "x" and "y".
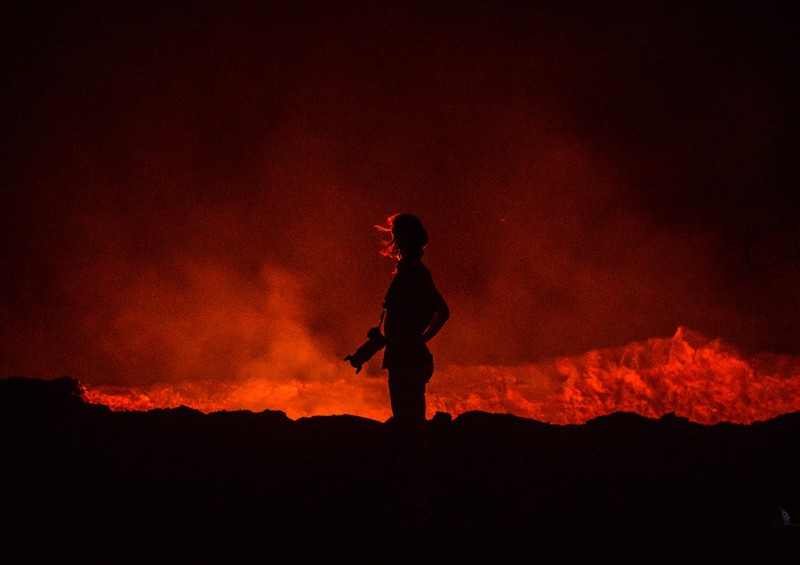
{"x": 296, "y": 398}
{"x": 695, "y": 377}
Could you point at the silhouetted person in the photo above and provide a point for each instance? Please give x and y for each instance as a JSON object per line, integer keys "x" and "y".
{"x": 415, "y": 312}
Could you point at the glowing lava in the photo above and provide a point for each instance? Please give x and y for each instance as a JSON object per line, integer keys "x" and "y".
{"x": 688, "y": 374}
{"x": 697, "y": 378}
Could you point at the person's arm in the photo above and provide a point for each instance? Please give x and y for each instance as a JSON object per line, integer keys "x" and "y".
{"x": 440, "y": 316}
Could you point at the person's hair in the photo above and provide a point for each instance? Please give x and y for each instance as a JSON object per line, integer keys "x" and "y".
{"x": 407, "y": 233}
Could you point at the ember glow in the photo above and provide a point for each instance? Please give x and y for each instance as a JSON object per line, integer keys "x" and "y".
{"x": 694, "y": 377}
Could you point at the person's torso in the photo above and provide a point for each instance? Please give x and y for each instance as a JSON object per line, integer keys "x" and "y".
{"x": 410, "y": 303}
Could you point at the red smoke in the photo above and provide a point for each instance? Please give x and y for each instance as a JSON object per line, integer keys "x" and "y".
{"x": 188, "y": 201}
{"x": 697, "y": 378}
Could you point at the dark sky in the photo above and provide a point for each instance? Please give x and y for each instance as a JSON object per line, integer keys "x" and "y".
{"x": 187, "y": 187}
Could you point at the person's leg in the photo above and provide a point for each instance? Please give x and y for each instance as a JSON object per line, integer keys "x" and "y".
{"x": 407, "y": 395}
{"x": 413, "y": 474}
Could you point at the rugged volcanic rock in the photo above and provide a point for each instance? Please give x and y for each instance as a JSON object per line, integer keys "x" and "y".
{"x": 83, "y": 484}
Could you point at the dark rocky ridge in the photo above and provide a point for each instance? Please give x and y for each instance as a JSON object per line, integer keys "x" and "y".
{"x": 83, "y": 484}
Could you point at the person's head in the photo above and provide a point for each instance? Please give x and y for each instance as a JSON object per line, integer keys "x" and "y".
{"x": 409, "y": 237}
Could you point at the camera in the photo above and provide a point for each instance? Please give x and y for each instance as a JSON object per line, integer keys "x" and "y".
{"x": 375, "y": 342}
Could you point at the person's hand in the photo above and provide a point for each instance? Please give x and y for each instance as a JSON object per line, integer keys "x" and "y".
{"x": 354, "y": 363}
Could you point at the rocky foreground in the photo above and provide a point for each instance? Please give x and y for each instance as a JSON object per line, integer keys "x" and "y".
{"x": 83, "y": 484}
